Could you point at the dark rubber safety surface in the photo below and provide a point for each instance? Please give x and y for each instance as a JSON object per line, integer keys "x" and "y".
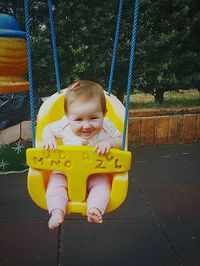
{"x": 158, "y": 225}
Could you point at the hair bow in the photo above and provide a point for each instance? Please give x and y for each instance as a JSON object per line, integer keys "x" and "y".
{"x": 75, "y": 86}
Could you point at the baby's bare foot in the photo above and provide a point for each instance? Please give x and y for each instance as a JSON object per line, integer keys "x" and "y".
{"x": 94, "y": 216}
{"x": 57, "y": 217}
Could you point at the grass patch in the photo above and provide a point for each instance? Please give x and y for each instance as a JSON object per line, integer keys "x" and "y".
{"x": 183, "y": 98}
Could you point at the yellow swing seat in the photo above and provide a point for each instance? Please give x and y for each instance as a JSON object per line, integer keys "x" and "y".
{"x": 77, "y": 162}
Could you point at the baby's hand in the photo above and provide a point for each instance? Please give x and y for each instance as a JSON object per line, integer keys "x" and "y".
{"x": 49, "y": 144}
{"x": 102, "y": 147}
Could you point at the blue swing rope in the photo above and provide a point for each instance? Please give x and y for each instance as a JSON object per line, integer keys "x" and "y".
{"x": 119, "y": 18}
{"x": 131, "y": 64}
{"x": 53, "y": 38}
{"x": 31, "y": 94}
{"x": 28, "y": 43}
{"x": 55, "y": 56}
{"x": 130, "y": 72}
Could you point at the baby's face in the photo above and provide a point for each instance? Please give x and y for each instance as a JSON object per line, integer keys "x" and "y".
{"x": 86, "y": 118}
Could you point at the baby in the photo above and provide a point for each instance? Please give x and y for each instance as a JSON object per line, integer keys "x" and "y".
{"x": 84, "y": 123}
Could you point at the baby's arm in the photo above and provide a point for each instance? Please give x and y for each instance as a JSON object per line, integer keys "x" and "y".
{"x": 103, "y": 147}
{"x": 48, "y": 138}
{"x": 113, "y": 140}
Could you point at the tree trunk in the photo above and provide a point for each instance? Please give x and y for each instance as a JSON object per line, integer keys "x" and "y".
{"x": 159, "y": 96}
{"x": 120, "y": 95}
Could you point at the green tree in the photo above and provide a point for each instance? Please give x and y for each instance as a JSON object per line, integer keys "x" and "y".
{"x": 85, "y": 34}
{"x": 168, "y": 50}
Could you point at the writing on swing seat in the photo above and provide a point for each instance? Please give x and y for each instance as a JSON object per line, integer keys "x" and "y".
{"x": 66, "y": 159}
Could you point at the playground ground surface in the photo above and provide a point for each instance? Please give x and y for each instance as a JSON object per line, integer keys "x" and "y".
{"x": 158, "y": 225}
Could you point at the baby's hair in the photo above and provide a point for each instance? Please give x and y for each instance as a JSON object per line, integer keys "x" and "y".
{"x": 86, "y": 90}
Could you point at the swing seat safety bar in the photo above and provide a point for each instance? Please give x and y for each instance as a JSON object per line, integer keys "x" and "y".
{"x": 78, "y": 163}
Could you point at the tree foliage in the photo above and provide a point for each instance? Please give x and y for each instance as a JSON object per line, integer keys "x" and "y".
{"x": 167, "y": 50}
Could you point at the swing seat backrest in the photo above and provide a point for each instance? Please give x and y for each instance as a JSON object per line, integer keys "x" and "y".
{"x": 77, "y": 162}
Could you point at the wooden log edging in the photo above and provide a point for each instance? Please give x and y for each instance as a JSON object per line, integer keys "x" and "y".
{"x": 146, "y": 127}
{"x": 164, "y": 126}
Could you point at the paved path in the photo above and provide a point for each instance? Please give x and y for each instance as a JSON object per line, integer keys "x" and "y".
{"x": 158, "y": 225}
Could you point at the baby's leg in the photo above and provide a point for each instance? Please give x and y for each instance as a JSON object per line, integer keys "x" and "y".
{"x": 98, "y": 198}
{"x": 56, "y": 197}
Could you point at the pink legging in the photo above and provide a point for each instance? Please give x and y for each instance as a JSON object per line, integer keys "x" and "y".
{"x": 98, "y": 196}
